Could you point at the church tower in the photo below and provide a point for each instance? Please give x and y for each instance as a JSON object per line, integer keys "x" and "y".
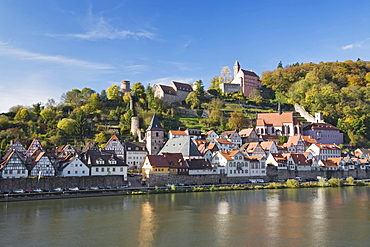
{"x": 236, "y": 68}
{"x": 154, "y": 136}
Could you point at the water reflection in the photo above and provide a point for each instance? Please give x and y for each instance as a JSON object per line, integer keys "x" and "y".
{"x": 291, "y": 217}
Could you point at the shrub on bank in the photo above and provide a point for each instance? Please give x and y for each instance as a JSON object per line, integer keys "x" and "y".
{"x": 292, "y": 183}
{"x": 350, "y": 181}
{"x": 335, "y": 182}
{"x": 360, "y": 183}
{"x": 274, "y": 185}
{"x": 322, "y": 182}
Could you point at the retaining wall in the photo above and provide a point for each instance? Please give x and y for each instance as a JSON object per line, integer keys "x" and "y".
{"x": 62, "y": 182}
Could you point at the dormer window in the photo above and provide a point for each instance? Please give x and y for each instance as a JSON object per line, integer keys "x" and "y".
{"x": 100, "y": 162}
{"x": 112, "y": 161}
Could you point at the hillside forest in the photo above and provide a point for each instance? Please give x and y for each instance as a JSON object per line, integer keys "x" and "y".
{"x": 340, "y": 90}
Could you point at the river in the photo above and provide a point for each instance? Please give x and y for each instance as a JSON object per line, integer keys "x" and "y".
{"x": 286, "y": 217}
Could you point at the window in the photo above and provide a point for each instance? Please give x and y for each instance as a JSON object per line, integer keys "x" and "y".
{"x": 68, "y": 172}
{"x": 97, "y": 169}
{"x": 114, "y": 169}
{"x": 121, "y": 169}
{"x": 75, "y": 172}
{"x": 102, "y": 169}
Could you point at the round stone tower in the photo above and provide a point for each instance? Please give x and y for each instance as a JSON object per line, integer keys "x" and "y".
{"x": 135, "y": 126}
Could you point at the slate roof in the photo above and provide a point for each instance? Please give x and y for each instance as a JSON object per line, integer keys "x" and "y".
{"x": 182, "y": 86}
{"x": 197, "y": 164}
{"x": 92, "y": 156}
{"x": 172, "y": 160}
{"x": 155, "y": 124}
{"x": 135, "y": 146}
{"x": 183, "y": 145}
{"x": 320, "y": 126}
{"x": 168, "y": 90}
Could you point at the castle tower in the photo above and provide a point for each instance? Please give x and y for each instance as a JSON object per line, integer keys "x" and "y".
{"x": 154, "y": 136}
{"x": 125, "y": 86}
{"x": 135, "y": 127}
{"x": 236, "y": 68}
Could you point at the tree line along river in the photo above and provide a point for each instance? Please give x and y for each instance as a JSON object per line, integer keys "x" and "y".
{"x": 285, "y": 217}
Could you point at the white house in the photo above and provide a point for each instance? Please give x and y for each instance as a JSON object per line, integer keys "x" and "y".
{"x": 278, "y": 160}
{"x": 210, "y": 135}
{"x": 223, "y": 144}
{"x": 115, "y": 145}
{"x": 231, "y": 163}
{"x": 41, "y": 165}
{"x": 176, "y": 133}
{"x": 269, "y": 147}
{"x": 232, "y": 136}
{"x": 295, "y": 144}
{"x": 298, "y": 162}
{"x": 73, "y": 167}
{"x": 12, "y": 165}
{"x": 324, "y": 151}
{"x": 135, "y": 153}
{"x": 257, "y": 165}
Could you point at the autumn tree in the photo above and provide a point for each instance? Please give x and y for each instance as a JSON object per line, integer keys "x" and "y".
{"x": 47, "y": 114}
{"x": 68, "y": 125}
{"x": 113, "y": 93}
{"x": 237, "y": 120}
{"x": 22, "y": 115}
{"x": 193, "y": 100}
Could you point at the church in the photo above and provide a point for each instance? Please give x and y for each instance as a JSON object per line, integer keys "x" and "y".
{"x": 244, "y": 81}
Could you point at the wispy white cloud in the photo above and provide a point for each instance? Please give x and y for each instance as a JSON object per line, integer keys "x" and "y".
{"x": 7, "y": 50}
{"x": 99, "y": 28}
{"x": 355, "y": 45}
{"x": 188, "y": 43}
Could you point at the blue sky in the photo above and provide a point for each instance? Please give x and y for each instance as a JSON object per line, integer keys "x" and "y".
{"x": 48, "y": 47}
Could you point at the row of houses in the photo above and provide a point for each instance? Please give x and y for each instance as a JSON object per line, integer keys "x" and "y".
{"x": 63, "y": 161}
{"x": 234, "y": 153}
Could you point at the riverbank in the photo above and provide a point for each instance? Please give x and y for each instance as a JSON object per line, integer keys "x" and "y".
{"x": 178, "y": 189}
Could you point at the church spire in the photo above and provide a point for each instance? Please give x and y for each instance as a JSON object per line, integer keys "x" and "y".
{"x": 236, "y": 68}
{"x": 155, "y": 124}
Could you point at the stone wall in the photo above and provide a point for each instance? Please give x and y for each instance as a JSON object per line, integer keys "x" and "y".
{"x": 302, "y": 111}
{"x": 62, "y": 182}
{"x": 273, "y": 174}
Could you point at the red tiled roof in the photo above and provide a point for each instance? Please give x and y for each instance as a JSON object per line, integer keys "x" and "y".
{"x": 178, "y": 132}
{"x": 274, "y": 119}
{"x": 224, "y": 141}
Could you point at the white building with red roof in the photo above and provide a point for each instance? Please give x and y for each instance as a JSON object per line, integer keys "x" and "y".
{"x": 284, "y": 124}
{"x": 176, "y": 133}
{"x": 231, "y": 163}
{"x": 324, "y": 151}
{"x": 114, "y": 144}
